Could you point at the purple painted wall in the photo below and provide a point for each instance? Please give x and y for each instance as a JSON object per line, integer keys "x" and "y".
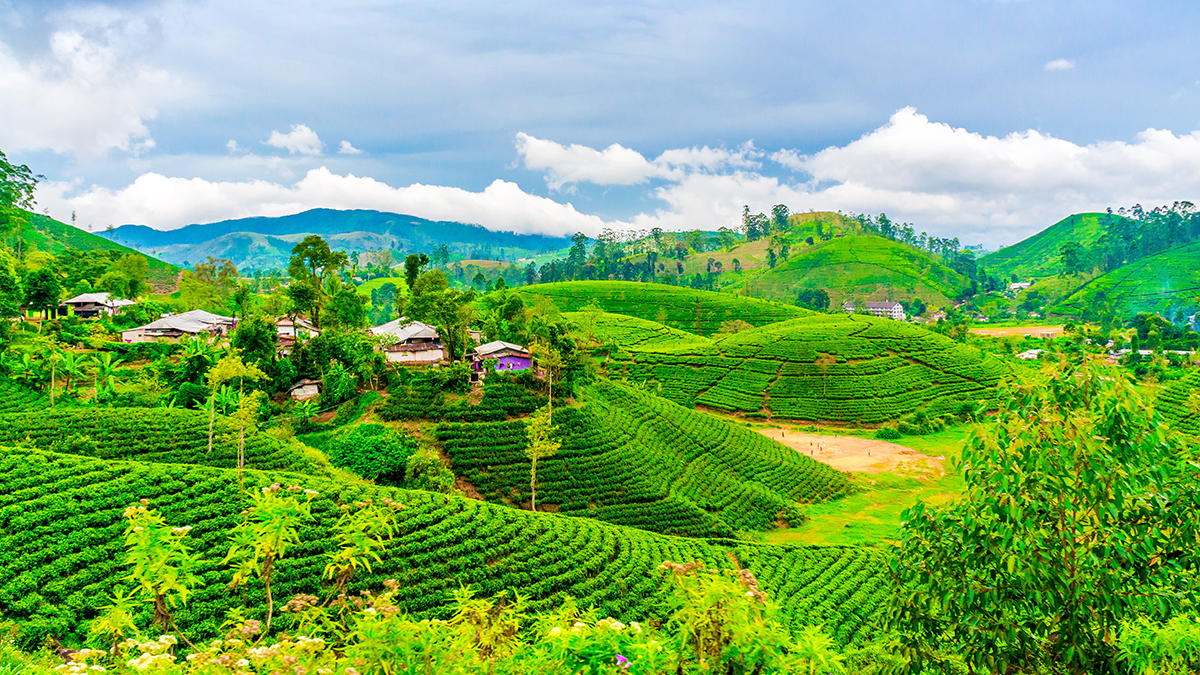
{"x": 512, "y": 363}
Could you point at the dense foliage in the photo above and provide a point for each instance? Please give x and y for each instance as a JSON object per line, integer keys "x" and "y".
{"x": 372, "y": 451}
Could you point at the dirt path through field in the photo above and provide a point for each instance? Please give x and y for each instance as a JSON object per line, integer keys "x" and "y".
{"x": 1034, "y": 331}
{"x": 849, "y": 453}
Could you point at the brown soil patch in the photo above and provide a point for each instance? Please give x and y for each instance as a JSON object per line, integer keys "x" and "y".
{"x": 1034, "y": 331}
{"x": 326, "y": 416}
{"x": 849, "y": 453}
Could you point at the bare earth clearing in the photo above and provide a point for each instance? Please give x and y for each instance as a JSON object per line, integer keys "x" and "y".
{"x": 1035, "y": 331}
{"x": 848, "y": 453}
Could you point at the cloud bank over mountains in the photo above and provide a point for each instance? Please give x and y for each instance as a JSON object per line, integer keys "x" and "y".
{"x": 941, "y": 178}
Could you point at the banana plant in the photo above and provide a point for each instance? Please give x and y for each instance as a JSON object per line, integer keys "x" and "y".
{"x": 104, "y": 368}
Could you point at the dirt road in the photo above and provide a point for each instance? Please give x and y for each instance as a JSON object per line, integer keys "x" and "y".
{"x": 848, "y": 453}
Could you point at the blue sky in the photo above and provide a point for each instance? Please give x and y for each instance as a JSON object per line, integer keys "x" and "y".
{"x": 986, "y": 120}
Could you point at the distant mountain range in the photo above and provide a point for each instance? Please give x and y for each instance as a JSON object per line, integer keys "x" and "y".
{"x": 266, "y": 243}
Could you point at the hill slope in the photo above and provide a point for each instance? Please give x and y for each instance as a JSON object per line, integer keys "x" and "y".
{"x": 859, "y": 267}
{"x": 1037, "y": 256}
{"x": 61, "y": 551}
{"x": 847, "y": 368}
{"x": 1159, "y": 283}
{"x": 264, "y": 242}
{"x": 1176, "y": 403}
{"x": 54, "y": 237}
{"x": 698, "y": 312}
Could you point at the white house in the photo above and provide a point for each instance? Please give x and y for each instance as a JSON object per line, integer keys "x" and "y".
{"x": 1019, "y": 286}
{"x": 175, "y": 326}
{"x": 406, "y": 341}
{"x": 88, "y": 305}
{"x": 887, "y": 309}
{"x": 288, "y": 328}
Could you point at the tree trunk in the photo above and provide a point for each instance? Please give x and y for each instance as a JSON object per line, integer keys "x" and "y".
{"x": 212, "y": 415}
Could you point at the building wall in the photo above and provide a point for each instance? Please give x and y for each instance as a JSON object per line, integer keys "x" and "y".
{"x": 512, "y": 363}
{"x": 426, "y": 356}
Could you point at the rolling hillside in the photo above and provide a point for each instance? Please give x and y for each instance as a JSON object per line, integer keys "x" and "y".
{"x": 51, "y": 236}
{"x": 1037, "y": 256}
{"x": 698, "y": 312}
{"x": 1178, "y": 403}
{"x": 845, "y": 368}
{"x": 1162, "y": 284}
{"x": 267, "y": 242}
{"x": 858, "y": 267}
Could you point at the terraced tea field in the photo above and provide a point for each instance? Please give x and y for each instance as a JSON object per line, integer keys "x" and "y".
{"x": 694, "y": 311}
{"x": 1180, "y": 403}
{"x": 845, "y": 368}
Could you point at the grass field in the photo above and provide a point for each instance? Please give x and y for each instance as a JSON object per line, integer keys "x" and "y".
{"x": 859, "y": 267}
{"x": 694, "y": 311}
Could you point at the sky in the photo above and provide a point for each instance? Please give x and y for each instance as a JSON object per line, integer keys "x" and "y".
{"x": 982, "y": 119}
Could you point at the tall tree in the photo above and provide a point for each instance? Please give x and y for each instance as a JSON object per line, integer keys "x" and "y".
{"x": 42, "y": 291}
{"x": 414, "y": 264}
{"x": 540, "y": 446}
{"x": 312, "y": 263}
{"x": 779, "y": 218}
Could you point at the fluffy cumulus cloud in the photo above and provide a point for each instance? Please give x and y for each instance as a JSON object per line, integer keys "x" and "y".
{"x": 617, "y": 165}
{"x": 300, "y": 140}
{"x": 347, "y": 149}
{"x": 86, "y": 96}
{"x": 1058, "y": 64}
{"x": 167, "y": 202}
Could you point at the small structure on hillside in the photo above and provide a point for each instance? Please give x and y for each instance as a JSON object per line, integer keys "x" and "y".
{"x": 89, "y": 305}
{"x": 288, "y": 328}
{"x": 508, "y": 356}
{"x": 1030, "y": 354}
{"x": 305, "y": 389}
{"x": 406, "y": 341}
{"x": 887, "y": 309}
{"x": 1018, "y": 286}
{"x": 175, "y": 326}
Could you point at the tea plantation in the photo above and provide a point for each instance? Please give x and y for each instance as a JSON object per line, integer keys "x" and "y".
{"x": 16, "y": 398}
{"x": 845, "y": 368}
{"x": 61, "y": 551}
{"x": 604, "y": 328}
{"x": 1162, "y": 283}
{"x": 1180, "y": 403}
{"x": 634, "y": 459}
{"x": 694, "y": 311}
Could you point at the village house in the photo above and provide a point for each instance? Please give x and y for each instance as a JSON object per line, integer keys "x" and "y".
{"x": 305, "y": 389}
{"x": 406, "y": 341}
{"x": 89, "y": 305}
{"x": 175, "y": 326}
{"x": 887, "y": 309}
{"x": 288, "y": 328}
{"x": 508, "y": 356}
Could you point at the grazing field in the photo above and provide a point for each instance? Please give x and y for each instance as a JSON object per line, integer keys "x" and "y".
{"x": 859, "y": 267}
{"x": 60, "y": 537}
{"x": 1162, "y": 283}
{"x": 694, "y": 311}
{"x": 634, "y": 459}
{"x": 844, "y": 368}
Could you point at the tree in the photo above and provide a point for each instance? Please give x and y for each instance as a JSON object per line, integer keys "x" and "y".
{"x": 42, "y": 291}
{"x": 229, "y": 368}
{"x": 255, "y": 339}
{"x": 779, "y": 217}
{"x": 126, "y": 278}
{"x": 1078, "y": 515}
{"x": 239, "y": 301}
{"x": 433, "y": 301}
{"x": 312, "y": 263}
{"x": 413, "y": 265}
{"x": 540, "y": 446}
{"x": 349, "y": 308}
{"x": 1071, "y": 256}
{"x": 17, "y": 185}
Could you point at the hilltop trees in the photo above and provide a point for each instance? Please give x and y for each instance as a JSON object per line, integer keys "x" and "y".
{"x": 312, "y": 263}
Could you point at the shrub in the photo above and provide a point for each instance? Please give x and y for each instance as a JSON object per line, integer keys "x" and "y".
{"x": 192, "y": 396}
{"x": 427, "y": 471}
{"x": 372, "y": 451}
{"x": 888, "y": 434}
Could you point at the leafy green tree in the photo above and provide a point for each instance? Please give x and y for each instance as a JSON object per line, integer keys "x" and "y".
{"x": 163, "y": 566}
{"x": 312, "y": 263}
{"x": 126, "y": 278}
{"x": 373, "y": 451}
{"x": 241, "y": 300}
{"x": 256, "y": 339}
{"x": 17, "y": 185}
{"x": 540, "y": 446}
{"x": 347, "y": 308}
{"x": 42, "y": 291}
{"x": 1078, "y": 515}
{"x": 1072, "y": 258}
{"x": 779, "y": 218}
{"x": 434, "y": 302}
{"x": 414, "y": 263}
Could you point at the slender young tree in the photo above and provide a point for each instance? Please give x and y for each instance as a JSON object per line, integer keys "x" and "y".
{"x": 540, "y": 446}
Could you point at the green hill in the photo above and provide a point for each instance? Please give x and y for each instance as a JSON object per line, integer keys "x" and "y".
{"x": 634, "y": 459}
{"x": 1177, "y": 401}
{"x": 1037, "y": 256}
{"x": 1160, "y": 283}
{"x": 698, "y": 312}
{"x": 846, "y": 368}
{"x": 858, "y": 267}
{"x": 61, "y": 551}
{"x": 627, "y": 331}
{"x": 54, "y": 237}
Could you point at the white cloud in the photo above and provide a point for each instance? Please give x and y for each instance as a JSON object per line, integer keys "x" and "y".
{"x": 168, "y": 202}
{"x": 85, "y": 97}
{"x": 617, "y": 165}
{"x": 347, "y": 149}
{"x": 300, "y": 139}
{"x": 1058, "y": 64}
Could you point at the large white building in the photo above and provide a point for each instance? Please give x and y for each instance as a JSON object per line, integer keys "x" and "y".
{"x": 89, "y": 305}
{"x": 175, "y": 326}
{"x": 887, "y": 309}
